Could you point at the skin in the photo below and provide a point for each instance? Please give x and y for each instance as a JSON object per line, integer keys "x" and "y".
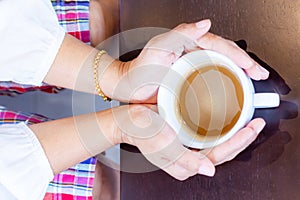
{"x": 104, "y": 20}
{"x": 69, "y": 145}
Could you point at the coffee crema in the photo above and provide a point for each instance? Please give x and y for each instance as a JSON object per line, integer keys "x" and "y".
{"x": 210, "y": 101}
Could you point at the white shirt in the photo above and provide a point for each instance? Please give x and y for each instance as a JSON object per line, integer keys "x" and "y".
{"x": 30, "y": 38}
{"x": 24, "y": 169}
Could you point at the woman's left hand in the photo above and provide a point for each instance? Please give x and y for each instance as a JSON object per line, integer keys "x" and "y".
{"x": 142, "y": 76}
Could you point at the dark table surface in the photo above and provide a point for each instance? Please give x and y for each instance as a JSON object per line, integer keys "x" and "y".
{"x": 270, "y": 31}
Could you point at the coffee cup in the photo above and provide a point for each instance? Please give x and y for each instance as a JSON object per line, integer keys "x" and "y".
{"x": 206, "y": 98}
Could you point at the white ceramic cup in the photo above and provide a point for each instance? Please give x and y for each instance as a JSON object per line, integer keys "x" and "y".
{"x": 170, "y": 88}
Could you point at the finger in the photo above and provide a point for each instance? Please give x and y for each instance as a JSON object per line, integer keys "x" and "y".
{"x": 166, "y": 151}
{"x": 236, "y": 54}
{"x": 196, "y": 163}
{"x": 254, "y": 71}
{"x": 159, "y": 144}
{"x": 171, "y": 45}
{"x": 190, "y": 164}
{"x": 229, "y": 149}
{"x": 194, "y": 31}
{"x": 178, "y": 172}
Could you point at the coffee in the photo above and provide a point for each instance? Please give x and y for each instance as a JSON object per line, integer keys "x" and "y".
{"x": 210, "y": 101}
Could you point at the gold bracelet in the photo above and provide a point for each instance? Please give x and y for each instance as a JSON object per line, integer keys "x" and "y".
{"x": 95, "y": 66}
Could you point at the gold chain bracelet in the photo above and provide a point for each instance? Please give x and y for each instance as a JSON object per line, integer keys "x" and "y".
{"x": 95, "y": 67}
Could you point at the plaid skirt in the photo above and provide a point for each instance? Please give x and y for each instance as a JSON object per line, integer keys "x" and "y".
{"x": 76, "y": 183}
{"x": 73, "y": 16}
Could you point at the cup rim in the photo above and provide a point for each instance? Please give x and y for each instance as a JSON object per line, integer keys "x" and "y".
{"x": 181, "y": 68}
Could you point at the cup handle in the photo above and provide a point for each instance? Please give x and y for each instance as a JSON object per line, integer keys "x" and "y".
{"x": 266, "y": 100}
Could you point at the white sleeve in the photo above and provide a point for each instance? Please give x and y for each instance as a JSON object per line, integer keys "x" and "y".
{"x": 30, "y": 37}
{"x": 24, "y": 168}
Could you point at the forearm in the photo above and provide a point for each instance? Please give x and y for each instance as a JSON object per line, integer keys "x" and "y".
{"x": 73, "y": 68}
{"x": 69, "y": 141}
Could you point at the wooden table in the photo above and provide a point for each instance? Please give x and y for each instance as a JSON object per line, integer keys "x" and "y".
{"x": 270, "y": 167}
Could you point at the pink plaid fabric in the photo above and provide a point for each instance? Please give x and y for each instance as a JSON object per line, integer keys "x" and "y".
{"x": 76, "y": 183}
{"x": 74, "y": 17}
{"x": 10, "y": 117}
{"x": 12, "y": 89}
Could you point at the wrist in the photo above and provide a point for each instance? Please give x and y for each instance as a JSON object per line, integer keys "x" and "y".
{"x": 110, "y": 74}
{"x": 97, "y": 131}
{"x": 134, "y": 122}
{"x": 109, "y": 121}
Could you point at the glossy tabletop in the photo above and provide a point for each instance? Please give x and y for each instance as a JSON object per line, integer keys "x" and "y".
{"x": 269, "y": 30}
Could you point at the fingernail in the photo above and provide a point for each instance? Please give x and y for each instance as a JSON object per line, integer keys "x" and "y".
{"x": 203, "y": 23}
{"x": 260, "y": 126}
{"x": 264, "y": 73}
{"x": 206, "y": 170}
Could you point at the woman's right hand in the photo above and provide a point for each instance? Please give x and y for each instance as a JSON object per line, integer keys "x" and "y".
{"x": 83, "y": 136}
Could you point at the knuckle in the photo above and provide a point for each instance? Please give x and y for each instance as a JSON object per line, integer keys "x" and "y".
{"x": 165, "y": 143}
{"x": 137, "y": 109}
{"x": 234, "y": 145}
{"x": 138, "y": 112}
{"x": 181, "y": 26}
{"x": 212, "y": 157}
{"x": 191, "y": 165}
{"x": 213, "y": 37}
{"x": 250, "y": 136}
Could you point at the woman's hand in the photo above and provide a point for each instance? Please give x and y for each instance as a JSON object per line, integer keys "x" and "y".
{"x": 142, "y": 76}
{"x": 141, "y": 126}
{"x": 83, "y": 136}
